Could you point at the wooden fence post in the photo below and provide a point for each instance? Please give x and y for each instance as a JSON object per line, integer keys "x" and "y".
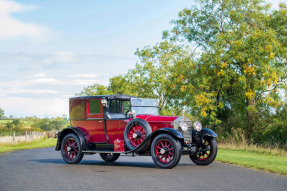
{"x": 13, "y": 136}
{"x": 26, "y": 136}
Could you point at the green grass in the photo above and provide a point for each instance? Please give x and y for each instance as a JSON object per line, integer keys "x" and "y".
{"x": 255, "y": 160}
{"x": 41, "y": 143}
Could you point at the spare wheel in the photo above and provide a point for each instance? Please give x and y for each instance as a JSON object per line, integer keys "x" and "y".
{"x": 136, "y": 131}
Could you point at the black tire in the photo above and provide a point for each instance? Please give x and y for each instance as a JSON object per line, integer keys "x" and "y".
{"x": 139, "y": 126}
{"x": 208, "y": 152}
{"x": 109, "y": 157}
{"x": 71, "y": 149}
{"x": 172, "y": 148}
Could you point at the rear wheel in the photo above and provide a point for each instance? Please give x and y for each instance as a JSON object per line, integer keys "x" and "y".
{"x": 71, "y": 149}
{"x": 165, "y": 151}
{"x": 109, "y": 157}
{"x": 206, "y": 152}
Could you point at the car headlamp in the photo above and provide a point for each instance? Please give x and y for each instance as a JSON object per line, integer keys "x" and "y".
{"x": 183, "y": 126}
{"x": 197, "y": 126}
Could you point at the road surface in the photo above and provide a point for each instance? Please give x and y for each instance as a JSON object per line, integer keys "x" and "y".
{"x": 44, "y": 169}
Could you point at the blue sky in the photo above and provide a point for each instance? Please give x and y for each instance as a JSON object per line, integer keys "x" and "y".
{"x": 50, "y": 50}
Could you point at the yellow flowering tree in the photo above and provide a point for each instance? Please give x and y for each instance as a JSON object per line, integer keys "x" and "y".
{"x": 242, "y": 56}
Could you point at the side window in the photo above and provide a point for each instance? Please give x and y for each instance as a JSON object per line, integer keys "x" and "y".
{"x": 95, "y": 106}
{"x": 115, "y": 106}
{"x": 126, "y": 106}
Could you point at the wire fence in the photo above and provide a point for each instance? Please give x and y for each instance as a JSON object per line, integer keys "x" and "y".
{"x": 27, "y": 137}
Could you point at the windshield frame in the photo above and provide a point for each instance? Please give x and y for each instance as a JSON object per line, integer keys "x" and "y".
{"x": 136, "y": 107}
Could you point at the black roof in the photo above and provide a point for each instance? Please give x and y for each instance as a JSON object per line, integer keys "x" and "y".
{"x": 108, "y": 97}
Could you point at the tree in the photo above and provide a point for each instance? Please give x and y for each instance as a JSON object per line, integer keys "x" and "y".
{"x": 58, "y": 123}
{"x": 223, "y": 61}
{"x": 242, "y": 56}
{"x": 95, "y": 89}
{"x": 151, "y": 78}
{"x": 1, "y": 113}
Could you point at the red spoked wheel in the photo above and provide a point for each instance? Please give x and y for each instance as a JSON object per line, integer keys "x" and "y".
{"x": 136, "y": 135}
{"x": 71, "y": 149}
{"x": 206, "y": 152}
{"x": 165, "y": 151}
{"x": 136, "y": 132}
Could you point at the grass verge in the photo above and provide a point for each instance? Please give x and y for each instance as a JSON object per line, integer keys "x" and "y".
{"x": 256, "y": 160}
{"x": 41, "y": 143}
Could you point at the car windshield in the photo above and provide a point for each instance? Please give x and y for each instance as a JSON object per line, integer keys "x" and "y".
{"x": 144, "y": 106}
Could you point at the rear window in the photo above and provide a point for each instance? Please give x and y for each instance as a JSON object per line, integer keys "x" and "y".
{"x": 95, "y": 106}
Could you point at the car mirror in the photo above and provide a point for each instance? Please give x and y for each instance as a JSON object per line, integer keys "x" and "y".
{"x": 104, "y": 102}
{"x": 132, "y": 113}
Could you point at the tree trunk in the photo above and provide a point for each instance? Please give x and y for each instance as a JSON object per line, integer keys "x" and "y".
{"x": 250, "y": 116}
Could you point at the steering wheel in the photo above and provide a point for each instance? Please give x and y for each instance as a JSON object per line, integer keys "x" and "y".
{"x": 127, "y": 112}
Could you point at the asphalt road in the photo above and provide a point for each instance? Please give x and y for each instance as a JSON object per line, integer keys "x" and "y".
{"x": 44, "y": 169}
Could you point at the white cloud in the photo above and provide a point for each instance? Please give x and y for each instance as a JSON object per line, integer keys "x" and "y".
{"x": 60, "y": 57}
{"x": 84, "y": 75}
{"x": 22, "y": 107}
{"x": 34, "y": 91}
{"x": 86, "y": 82}
{"x": 37, "y": 75}
{"x": 11, "y": 27}
{"x": 52, "y": 81}
{"x": 23, "y": 83}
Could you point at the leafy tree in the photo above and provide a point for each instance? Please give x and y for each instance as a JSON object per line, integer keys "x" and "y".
{"x": 58, "y": 123}
{"x": 9, "y": 125}
{"x": 1, "y": 113}
{"x": 95, "y": 89}
{"x": 242, "y": 61}
{"x": 151, "y": 76}
{"x": 15, "y": 124}
{"x": 224, "y": 61}
{"x": 123, "y": 85}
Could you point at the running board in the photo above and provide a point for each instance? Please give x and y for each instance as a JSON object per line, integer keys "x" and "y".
{"x": 106, "y": 151}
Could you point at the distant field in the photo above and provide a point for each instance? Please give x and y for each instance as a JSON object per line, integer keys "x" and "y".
{"x": 3, "y": 121}
{"x": 26, "y": 123}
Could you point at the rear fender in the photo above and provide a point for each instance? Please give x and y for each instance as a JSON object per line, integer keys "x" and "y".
{"x": 73, "y": 130}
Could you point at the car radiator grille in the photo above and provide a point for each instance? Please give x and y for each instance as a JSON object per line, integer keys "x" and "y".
{"x": 187, "y": 135}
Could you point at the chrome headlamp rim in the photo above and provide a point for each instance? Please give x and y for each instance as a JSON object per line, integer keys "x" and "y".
{"x": 197, "y": 126}
{"x": 183, "y": 125}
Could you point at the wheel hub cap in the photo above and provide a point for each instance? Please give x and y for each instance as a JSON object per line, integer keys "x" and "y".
{"x": 136, "y": 135}
{"x": 163, "y": 151}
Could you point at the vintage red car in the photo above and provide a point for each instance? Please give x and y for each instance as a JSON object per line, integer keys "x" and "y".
{"x": 112, "y": 125}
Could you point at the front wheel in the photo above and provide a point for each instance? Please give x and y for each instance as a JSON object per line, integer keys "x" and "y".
{"x": 206, "y": 152}
{"x": 109, "y": 157}
{"x": 71, "y": 149}
{"x": 165, "y": 151}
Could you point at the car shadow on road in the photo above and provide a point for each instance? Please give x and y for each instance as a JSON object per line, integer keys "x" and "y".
{"x": 101, "y": 163}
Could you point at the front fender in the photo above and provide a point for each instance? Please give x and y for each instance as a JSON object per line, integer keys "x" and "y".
{"x": 145, "y": 145}
{"x": 68, "y": 130}
{"x": 198, "y": 136}
{"x": 176, "y": 134}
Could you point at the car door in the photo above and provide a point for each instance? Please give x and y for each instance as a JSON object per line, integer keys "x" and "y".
{"x": 95, "y": 120}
